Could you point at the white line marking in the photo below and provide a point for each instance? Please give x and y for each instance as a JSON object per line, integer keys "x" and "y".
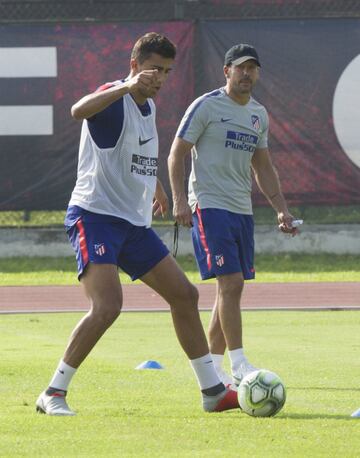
{"x": 28, "y": 62}
{"x": 26, "y": 120}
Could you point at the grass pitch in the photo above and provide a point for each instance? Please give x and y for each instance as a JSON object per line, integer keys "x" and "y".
{"x": 312, "y": 214}
{"x": 20, "y": 271}
{"x": 123, "y": 412}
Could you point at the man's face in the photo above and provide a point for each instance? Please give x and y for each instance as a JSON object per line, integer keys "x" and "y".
{"x": 163, "y": 67}
{"x": 242, "y": 78}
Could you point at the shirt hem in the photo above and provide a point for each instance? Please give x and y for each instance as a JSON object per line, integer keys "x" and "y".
{"x": 92, "y": 209}
{"x": 219, "y": 207}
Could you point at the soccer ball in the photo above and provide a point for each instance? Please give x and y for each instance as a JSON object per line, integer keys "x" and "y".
{"x": 261, "y": 393}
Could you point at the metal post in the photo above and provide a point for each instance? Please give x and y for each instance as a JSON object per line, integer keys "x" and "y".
{"x": 179, "y": 10}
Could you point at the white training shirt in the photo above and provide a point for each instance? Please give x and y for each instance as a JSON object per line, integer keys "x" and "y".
{"x": 120, "y": 181}
{"x": 225, "y": 135}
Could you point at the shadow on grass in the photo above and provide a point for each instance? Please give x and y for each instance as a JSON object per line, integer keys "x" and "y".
{"x": 314, "y": 416}
{"x": 322, "y": 388}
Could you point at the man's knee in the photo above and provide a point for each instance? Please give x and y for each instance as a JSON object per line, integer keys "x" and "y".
{"x": 231, "y": 285}
{"x": 106, "y": 314}
{"x": 187, "y": 296}
{"x": 193, "y": 295}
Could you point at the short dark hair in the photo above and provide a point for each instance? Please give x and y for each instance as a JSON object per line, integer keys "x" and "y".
{"x": 153, "y": 42}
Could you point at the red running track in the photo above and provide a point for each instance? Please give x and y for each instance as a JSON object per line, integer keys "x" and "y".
{"x": 256, "y": 296}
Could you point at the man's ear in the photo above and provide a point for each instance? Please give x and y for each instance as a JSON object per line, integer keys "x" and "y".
{"x": 134, "y": 65}
{"x": 226, "y": 71}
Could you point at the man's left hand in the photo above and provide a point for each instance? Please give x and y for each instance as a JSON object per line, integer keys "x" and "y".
{"x": 285, "y": 220}
{"x": 161, "y": 202}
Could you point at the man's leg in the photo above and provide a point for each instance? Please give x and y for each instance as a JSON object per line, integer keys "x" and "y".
{"x": 217, "y": 342}
{"x": 168, "y": 280}
{"x": 229, "y": 294}
{"x": 102, "y": 287}
{"x": 230, "y": 288}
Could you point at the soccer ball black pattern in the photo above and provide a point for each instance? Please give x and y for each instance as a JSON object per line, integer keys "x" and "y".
{"x": 261, "y": 393}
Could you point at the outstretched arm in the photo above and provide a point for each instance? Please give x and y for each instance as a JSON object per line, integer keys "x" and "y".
{"x": 176, "y": 163}
{"x": 91, "y": 104}
{"x": 268, "y": 181}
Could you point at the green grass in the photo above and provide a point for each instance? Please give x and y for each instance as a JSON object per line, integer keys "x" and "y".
{"x": 129, "y": 413}
{"x": 270, "y": 268}
{"x": 312, "y": 214}
{"x": 51, "y": 218}
{"x": 325, "y": 214}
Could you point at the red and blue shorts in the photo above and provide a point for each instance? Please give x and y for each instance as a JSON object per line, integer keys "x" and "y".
{"x": 223, "y": 243}
{"x": 105, "y": 239}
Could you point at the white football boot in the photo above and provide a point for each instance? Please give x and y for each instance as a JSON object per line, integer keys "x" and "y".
{"x": 224, "y": 377}
{"x": 54, "y": 404}
{"x": 356, "y": 414}
{"x": 244, "y": 369}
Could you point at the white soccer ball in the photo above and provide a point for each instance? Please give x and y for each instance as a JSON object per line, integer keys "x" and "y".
{"x": 261, "y": 393}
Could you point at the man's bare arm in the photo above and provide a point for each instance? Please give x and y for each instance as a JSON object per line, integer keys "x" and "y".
{"x": 176, "y": 163}
{"x": 268, "y": 181}
{"x": 91, "y": 104}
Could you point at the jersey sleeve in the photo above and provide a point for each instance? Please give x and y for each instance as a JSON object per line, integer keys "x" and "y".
{"x": 106, "y": 126}
{"x": 264, "y": 133}
{"x": 194, "y": 122}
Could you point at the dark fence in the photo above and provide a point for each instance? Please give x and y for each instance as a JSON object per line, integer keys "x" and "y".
{"x": 169, "y": 10}
{"x": 309, "y": 53}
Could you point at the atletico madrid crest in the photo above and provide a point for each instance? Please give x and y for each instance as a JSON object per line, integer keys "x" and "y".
{"x": 100, "y": 249}
{"x": 219, "y": 259}
{"x": 255, "y": 122}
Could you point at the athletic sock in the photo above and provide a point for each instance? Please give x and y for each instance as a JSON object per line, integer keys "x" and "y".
{"x": 214, "y": 390}
{"x": 236, "y": 358}
{"x": 205, "y": 372}
{"x": 218, "y": 361}
{"x": 55, "y": 392}
{"x": 62, "y": 376}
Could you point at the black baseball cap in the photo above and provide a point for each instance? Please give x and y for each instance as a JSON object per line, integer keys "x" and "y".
{"x": 241, "y": 53}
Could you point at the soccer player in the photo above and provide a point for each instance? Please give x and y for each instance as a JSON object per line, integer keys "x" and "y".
{"x": 108, "y": 223}
{"x": 226, "y": 132}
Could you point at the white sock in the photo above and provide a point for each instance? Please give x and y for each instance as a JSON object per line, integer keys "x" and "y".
{"x": 218, "y": 361}
{"x": 62, "y": 376}
{"x": 205, "y": 371}
{"x": 236, "y": 358}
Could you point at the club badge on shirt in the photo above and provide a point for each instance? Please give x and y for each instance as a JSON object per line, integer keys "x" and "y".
{"x": 255, "y": 122}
